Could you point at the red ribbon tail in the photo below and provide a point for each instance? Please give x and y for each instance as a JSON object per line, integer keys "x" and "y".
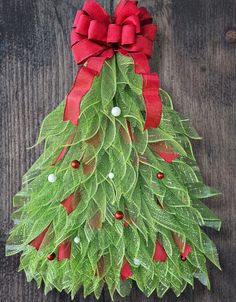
{"x": 82, "y": 84}
{"x": 150, "y": 88}
{"x": 68, "y": 203}
{"x": 165, "y": 151}
{"x": 186, "y": 251}
{"x": 71, "y": 202}
{"x": 160, "y": 253}
{"x": 36, "y": 243}
{"x": 64, "y": 250}
{"x": 125, "y": 272}
{"x": 152, "y": 100}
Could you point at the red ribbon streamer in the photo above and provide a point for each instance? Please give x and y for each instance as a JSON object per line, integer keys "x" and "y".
{"x": 186, "y": 251}
{"x": 68, "y": 203}
{"x": 36, "y": 243}
{"x": 64, "y": 250}
{"x": 160, "y": 253}
{"x": 164, "y": 150}
{"x": 95, "y": 38}
{"x": 125, "y": 272}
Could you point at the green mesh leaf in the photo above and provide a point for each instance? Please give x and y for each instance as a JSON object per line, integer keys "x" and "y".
{"x": 108, "y": 82}
{"x": 53, "y": 123}
{"x": 199, "y": 190}
{"x": 126, "y": 68}
{"x": 209, "y": 218}
{"x": 166, "y": 99}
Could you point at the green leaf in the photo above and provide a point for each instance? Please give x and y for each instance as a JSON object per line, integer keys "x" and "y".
{"x": 108, "y": 82}
{"x": 129, "y": 180}
{"x": 166, "y": 99}
{"x": 165, "y": 219}
{"x": 209, "y": 218}
{"x": 199, "y": 191}
{"x": 210, "y": 250}
{"x": 53, "y": 123}
{"x": 127, "y": 74}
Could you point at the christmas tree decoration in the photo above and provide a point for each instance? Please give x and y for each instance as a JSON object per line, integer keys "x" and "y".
{"x": 116, "y": 123}
{"x": 116, "y": 111}
{"x": 75, "y": 164}
{"x": 111, "y": 175}
{"x": 76, "y": 240}
{"x": 52, "y": 178}
{"x": 119, "y": 215}
{"x": 160, "y": 175}
{"x": 137, "y": 261}
{"x": 51, "y": 256}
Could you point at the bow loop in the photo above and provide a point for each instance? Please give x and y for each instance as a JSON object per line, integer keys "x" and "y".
{"x": 149, "y": 31}
{"x": 145, "y": 17}
{"x": 82, "y": 24}
{"x": 133, "y": 20}
{"x": 77, "y": 16}
{"x": 114, "y": 33}
{"x": 124, "y": 10}
{"x": 96, "y": 11}
{"x": 128, "y": 35}
{"x": 97, "y": 31}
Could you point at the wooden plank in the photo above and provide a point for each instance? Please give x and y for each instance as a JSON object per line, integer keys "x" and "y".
{"x": 196, "y": 65}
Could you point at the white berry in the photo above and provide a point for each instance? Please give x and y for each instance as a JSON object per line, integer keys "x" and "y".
{"x": 52, "y": 178}
{"x": 137, "y": 261}
{"x": 76, "y": 239}
{"x": 116, "y": 111}
{"x": 111, "y": 175}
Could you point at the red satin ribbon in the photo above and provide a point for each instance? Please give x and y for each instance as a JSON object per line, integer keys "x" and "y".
{"x": 126, "y": 271}
{"x": 160, "y": 253}
{"x": 95, "y": 38}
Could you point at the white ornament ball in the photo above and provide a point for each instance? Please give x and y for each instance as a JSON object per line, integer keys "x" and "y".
{"x": 111, "y": 175}
{"x": 137, "y": 261}
{"x": 116, "y": 111}
{"x": 76, "y": 239}
{"x": 52, "y": 178}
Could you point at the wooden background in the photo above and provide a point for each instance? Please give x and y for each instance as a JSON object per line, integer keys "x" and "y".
{"x": 195, "y": 55}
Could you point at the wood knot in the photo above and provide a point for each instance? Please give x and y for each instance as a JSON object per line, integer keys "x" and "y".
{"x": 230, "y": 36}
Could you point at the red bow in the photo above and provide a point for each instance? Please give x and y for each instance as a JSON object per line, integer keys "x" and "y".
{"x": 96, "y": 37}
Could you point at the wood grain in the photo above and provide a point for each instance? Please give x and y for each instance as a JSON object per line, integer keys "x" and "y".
{"x": 197, "y": 65}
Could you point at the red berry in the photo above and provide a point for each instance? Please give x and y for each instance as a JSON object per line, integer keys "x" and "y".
{"x": 51, "y": 256}
{"x": 75, "y": 164}
{"x": 160, "y": 175}
{"x": 119, "y": 215}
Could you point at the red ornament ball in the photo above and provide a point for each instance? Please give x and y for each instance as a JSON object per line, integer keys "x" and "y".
{"x": 160, "y": 175}
{"x": 75, "y": 164}
{"x": 51, "y": 256}
{"x": 119, "y": 215}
